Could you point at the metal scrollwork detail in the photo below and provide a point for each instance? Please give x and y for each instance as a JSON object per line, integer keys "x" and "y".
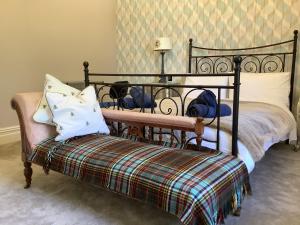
{"x": 251, "y": 64}
{"x": 105, "y": 95}
{"x": 272, "y": 63}
{"x": 204, "y": 65}
{"x": 170, "y": 110}
{"x": 223, "y": 65}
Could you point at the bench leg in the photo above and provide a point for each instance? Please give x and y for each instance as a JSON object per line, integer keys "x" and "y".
{"x": 27, "y": 174}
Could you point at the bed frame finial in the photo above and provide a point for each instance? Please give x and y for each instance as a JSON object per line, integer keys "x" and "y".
{"x": 296, "y": 32}
{"x": 86, "y": 64}
{"x": 238, "y": 60}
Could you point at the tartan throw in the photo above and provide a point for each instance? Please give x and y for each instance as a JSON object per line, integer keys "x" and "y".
{"x": 199, "y": 187}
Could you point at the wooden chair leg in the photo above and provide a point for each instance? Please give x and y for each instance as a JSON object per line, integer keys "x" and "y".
{"x": 27, "y": 174}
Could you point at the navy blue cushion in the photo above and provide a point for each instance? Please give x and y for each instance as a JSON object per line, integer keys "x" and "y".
{"x": 205, "y": 111}
{"x": 137, "y": 95}
{"x": 207, "y": 97}
{"x": 126, "y": 103}
{"x": 205, "y": 105}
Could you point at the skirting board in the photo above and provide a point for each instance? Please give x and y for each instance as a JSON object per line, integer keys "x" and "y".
{"x": 9, "y": 135}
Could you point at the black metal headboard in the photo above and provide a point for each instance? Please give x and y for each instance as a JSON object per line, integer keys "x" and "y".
{"x": 278, "y": 57}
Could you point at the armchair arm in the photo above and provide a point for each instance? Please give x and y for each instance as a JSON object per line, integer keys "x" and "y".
{"x": 137, "y": 121}
{"x": 32, "y": 133}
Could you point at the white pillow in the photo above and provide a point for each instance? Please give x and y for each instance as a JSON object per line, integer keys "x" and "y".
{"x": 76, "y": 115}
{"x": 273, "y": 88}
{"x": 43, "y": 113}
{"x": 218, "y": 81}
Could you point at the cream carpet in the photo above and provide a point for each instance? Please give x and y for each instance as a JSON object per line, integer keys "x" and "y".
{"x": 57, "y": 199}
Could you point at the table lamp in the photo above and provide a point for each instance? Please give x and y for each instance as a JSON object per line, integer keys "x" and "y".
{"x": 163, "y": 44}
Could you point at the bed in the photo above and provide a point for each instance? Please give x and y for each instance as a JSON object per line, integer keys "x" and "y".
{"x": 248, "y": 133}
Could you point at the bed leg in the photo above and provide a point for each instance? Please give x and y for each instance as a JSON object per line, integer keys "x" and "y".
{"x": 27, "y": 174}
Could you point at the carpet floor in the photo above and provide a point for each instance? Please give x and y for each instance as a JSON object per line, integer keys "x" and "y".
{"x": 57, "y": 199}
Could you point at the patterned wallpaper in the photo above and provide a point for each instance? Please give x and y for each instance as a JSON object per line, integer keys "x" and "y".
{"x": 211, "y": 23}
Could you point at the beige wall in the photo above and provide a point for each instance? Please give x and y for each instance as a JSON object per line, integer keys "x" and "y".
{"x": 56, "y": 36}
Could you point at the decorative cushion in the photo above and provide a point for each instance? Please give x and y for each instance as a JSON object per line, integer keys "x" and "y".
{"x": 219, "y": 81}
{"x": 273, "y": 88}
{"x": 76, "y": 115}
{"x": 43, "y": 113}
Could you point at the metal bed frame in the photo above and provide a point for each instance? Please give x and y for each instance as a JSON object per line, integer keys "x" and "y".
{"x": 221, "y": 62}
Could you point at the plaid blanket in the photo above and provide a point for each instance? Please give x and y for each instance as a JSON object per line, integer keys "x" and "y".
{"x": 198, "y": 187}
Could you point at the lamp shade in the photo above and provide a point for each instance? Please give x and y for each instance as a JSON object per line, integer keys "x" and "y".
{"x": 163, "y": 44}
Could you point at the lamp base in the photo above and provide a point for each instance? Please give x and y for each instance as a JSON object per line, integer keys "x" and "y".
{"x": 163, "y": 79}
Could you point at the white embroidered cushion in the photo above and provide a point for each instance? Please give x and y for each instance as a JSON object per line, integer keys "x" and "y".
{"x": 43, "y": 113}
{"x": 76, "y": 115}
